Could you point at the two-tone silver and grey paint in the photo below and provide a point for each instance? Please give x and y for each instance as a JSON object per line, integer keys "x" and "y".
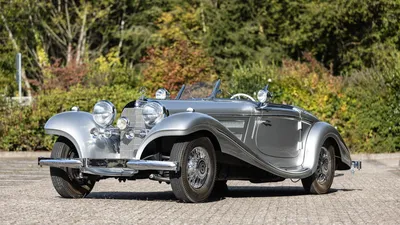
{"x": 280, "y": 139}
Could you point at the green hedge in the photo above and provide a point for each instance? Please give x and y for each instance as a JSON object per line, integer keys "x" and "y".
{"x": 371, "y": 111}
{"x": 364, "y": 107}
{"x": 21, "y": 128}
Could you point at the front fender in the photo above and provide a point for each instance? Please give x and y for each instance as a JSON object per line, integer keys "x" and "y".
{"x": 319, "y": 133}
{"x": 180, "y": 124}
{"x": 76, "y": 126}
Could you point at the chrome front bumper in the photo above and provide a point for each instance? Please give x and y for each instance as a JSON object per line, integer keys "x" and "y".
{"x": 109, "y": 163}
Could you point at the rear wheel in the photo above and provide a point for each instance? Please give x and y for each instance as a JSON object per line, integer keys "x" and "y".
{"x": 66, "y": 181}
{"x": 321, "y": 181}
{"x": 195, "y": 180}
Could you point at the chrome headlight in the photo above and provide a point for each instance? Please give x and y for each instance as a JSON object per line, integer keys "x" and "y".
{"x": 262, "y": 96}
{"x": 104, "y": 113}
{"x": 153, "y": 113}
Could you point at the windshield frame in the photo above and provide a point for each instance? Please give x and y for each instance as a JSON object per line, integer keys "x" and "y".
{"x": 213, "y": 94}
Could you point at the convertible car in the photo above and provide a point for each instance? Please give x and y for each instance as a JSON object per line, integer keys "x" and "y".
{"x": 195, "y": 142}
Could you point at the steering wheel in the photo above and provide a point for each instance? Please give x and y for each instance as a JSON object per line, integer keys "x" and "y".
{"x": 238, "y": 95}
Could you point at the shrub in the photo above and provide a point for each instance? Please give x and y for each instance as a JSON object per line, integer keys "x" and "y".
{"x": 371, "y": 111}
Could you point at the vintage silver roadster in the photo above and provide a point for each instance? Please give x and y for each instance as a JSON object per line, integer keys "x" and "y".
{"x": 195, "y": 142}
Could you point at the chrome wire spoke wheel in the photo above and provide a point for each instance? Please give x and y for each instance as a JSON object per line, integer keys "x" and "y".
{"x": 67, "y": 181}
{"x": 321, "y": 180}
{"x": 198, "y": 167}
{"x": 196, "y": 178}
{"x": 324, "y": 164}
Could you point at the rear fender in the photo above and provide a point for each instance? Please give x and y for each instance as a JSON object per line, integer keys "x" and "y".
{"x": 76, "y": 127}
{"x": 319, "y": 133}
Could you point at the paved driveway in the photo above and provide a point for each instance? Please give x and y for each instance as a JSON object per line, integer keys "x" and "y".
{"x": 370, "y": 196}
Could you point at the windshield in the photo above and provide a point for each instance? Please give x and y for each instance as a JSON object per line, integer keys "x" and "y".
{"x": 199, "y": 90}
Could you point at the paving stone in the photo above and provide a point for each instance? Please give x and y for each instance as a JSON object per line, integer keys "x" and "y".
{"x": 370, "y": 196}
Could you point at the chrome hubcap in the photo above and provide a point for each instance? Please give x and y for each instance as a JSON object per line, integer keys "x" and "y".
{"x": 323, "y": 166}
{"x": 198, "y": 167}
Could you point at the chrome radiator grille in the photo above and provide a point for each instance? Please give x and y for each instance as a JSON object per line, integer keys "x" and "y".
{"x": 129, "y": 147}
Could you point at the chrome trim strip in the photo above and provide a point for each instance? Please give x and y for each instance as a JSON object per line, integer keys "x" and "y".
{"x": 233, "y": 123}
{"x": 152, "y": 165}
{"x": 254, "y": 126}
{"x": 71, "y": 163}
{"x": 247, "y": 129}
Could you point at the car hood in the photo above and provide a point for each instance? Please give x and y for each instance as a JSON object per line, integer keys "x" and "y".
{"x": 211, "y": 107}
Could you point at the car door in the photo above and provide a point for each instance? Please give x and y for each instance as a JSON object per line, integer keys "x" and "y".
{"x": 278, "y": 131}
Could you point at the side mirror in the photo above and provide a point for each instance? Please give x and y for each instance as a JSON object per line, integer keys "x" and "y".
{"x": 162, "y": 94}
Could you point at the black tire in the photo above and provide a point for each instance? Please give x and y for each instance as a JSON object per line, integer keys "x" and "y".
{"x": 201, "y": 184}
{"x": 65, "y": 180}
{"x": 317, "y": 183}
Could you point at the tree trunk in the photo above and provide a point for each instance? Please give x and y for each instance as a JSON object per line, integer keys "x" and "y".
{"x": 69, "y": 52}
{"x": 69, "y": 34}
{"x": 17, "y": 49}
{"x": 59, "y": 5}
{"x": 82, "y": 38}
{"x": 121, "y": 29}
{"x": 33, "y": 50}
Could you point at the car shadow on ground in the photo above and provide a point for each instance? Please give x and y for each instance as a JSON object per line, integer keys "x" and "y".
{"x": 279, "y": 191}
{"x": 234, "y": 192}
{"x": 145, "y": 196}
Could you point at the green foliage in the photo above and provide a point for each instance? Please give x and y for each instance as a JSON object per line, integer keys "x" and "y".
{"x": 242, "y": 32}
{"x": 370, "y": 115}
{"x": 108, "y": 70}
{"x": 252, "y": 77}
{"x": 342, "y": 34}
{"x": 346, "y": 34}
{"x": 7, "y": 73}
{"x": 183, "y": 22}
{"x": 22, "y": 128}
{"x": 116, "y": 45}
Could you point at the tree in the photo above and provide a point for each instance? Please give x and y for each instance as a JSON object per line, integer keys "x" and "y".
{"x": 171, "y": 67}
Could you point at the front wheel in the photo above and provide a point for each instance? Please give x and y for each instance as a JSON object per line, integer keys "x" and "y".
{"x": 195, "y": 180}
{"x": 66, "y": 181}
{"x": 320, "y": 182}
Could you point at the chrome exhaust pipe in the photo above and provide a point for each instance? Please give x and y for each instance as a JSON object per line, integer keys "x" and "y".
{"x": 70, "y": 163}
{"x": 152, "y": 165}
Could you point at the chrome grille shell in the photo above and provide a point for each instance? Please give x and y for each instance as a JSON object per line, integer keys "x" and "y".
{"x": 129, "y": 147}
